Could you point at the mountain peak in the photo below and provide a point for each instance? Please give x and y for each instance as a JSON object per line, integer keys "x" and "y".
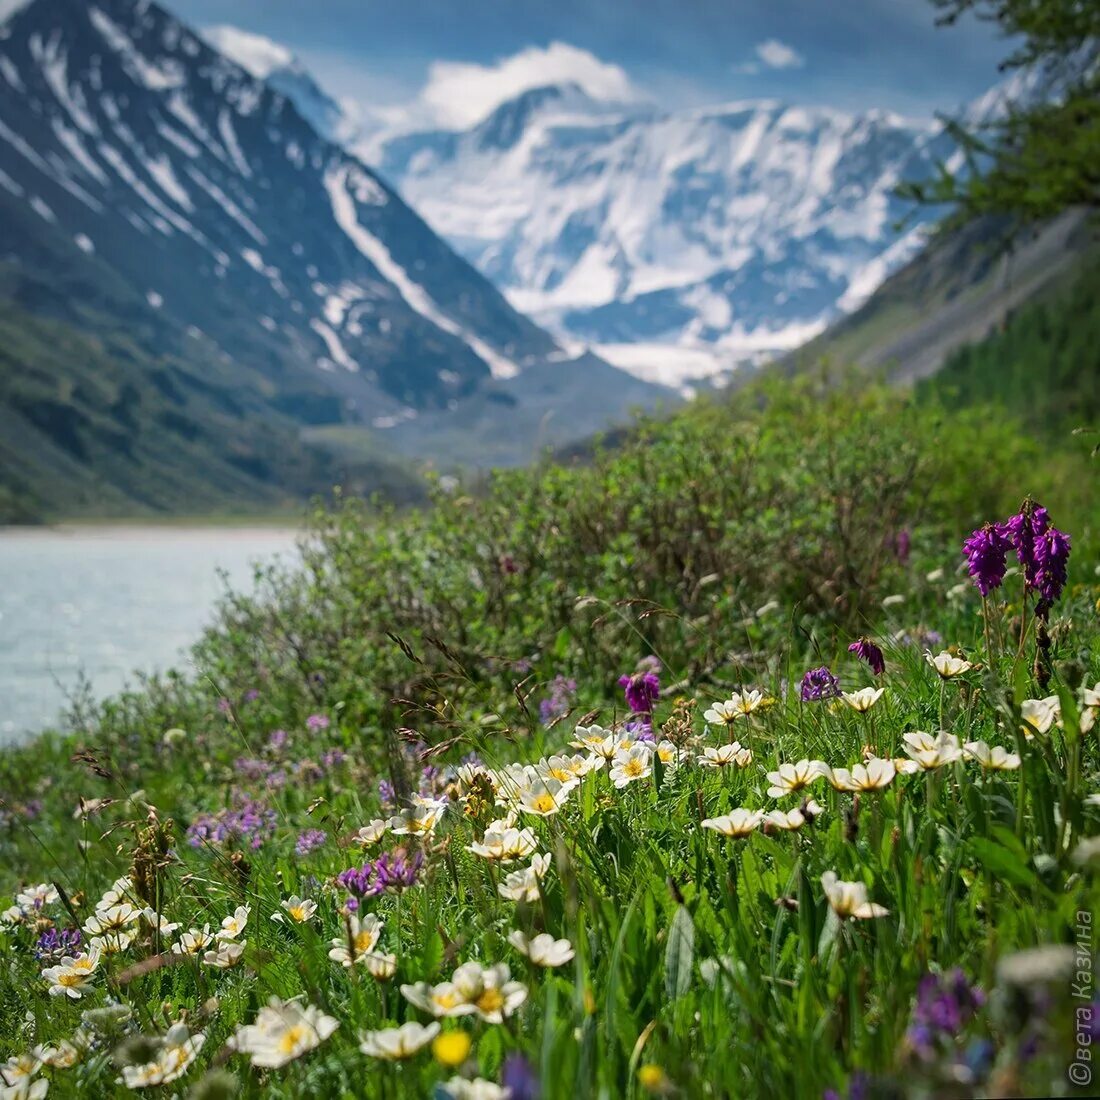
{"x": 508, "y": 122}
{"x": 258, "y": 55}
{"x": 282, "y": 70}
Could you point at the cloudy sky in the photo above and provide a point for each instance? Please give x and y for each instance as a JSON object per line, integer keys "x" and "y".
{"x": 845, "y": 53}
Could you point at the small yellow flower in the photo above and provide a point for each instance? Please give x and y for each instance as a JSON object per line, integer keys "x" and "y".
{"x": 651, "y": 1077}
{"x": 451, "y": 1048}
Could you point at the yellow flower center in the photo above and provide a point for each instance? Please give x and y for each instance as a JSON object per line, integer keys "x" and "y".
{"x": 364, "y": 941}
{"x": 544, "y": 803}
{"x": 633, "y": 768}
{"x": 492, "y": 1000}
{"x": 297, "y": 912}
{"x": 291, "y": 1038}
{"x": 70, "y": 979}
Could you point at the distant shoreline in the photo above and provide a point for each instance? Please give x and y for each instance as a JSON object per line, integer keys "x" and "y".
{"x": 274, "y": 526}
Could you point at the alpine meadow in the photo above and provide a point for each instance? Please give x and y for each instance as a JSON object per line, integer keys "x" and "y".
{"x": 742, "y": 747}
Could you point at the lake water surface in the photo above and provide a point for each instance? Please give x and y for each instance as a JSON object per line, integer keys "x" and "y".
{"x": 106, "y": 602}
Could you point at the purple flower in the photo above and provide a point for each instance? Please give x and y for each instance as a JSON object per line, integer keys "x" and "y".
{"x": 1051, "y": 558}
{"x": 859, "y": 1086}
{"x": 251, "y": 695}
{"x": 819, "y": 683}
{"x": 902, "y": 542}
{"x": 945, "y": 1004}
{"x": 1042, "y": 549}
{"x": 246, "y": 820}
{"x": 317, "y": 722}
{"x": 387, "y": 794}
{"x": 985, "y": 551}
{"x": 309, "y": 840}
{"x": 640, "y": 730}
{"x": 252, "y": 769}
{"x": 562, "y": 693}
{"x": 391, "y": 872}
{"x": 519, "y": 1078}
{"x": 1023, "y": 529}
{"x": 642, "y": 689}
{"x": 276, "y": 739}
{"x": 55, "y": 942}
{"x": 866, "y": 650}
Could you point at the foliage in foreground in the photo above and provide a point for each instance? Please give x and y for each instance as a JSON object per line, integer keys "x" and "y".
{"x": 866, "y": 927}
{"x": 696, "y": 961}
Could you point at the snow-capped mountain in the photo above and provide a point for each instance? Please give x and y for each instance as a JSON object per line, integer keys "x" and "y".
{"x": 133, "y": 154}
{"x": 677, "y": 243}
{"x": 281, "y": 70}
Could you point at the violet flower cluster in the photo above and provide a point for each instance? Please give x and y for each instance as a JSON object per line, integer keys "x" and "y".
{"x": 946, "y": 1003}
{"x": 1041, "y": 549}
{"x": 867, "y": 651}
{"x": 56, "y": 942}
{"x": 818, "y": 684}
{"x": 986, "y": 552}
{"x": 247, "y": 821}
{"x": 556, "y": 705}
{"x": 309, "y": 840}
{"x": 642, "y": 688}
{"x": 391, "y": 872}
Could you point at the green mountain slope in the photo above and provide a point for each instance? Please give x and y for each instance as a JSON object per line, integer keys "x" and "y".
{"x": 961, "y": 288}
{"x": 1042, "y": 367}
{"x": 97, "y": 420}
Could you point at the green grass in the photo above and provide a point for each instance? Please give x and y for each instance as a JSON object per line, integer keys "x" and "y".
{"x": 739, "y": 545}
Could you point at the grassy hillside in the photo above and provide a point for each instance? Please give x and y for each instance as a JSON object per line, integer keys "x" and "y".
{"x": 728, "y": 549}
{"x": 956, "y": 291}
{"x": 1042, "y": 366}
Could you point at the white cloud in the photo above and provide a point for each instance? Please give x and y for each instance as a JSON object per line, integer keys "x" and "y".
{"x": 459, "y": 94}
{"x": 778, "y": 55}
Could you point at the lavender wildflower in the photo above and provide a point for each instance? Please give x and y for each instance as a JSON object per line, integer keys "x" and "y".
{"x": 945, "y": 1004}
{"x": 246, "y": 820}
{"x": 317, "y": 722}
{"x": 55, "y": 942}
{"x": 392, "y": 872}
{"x": 867, "y": 651}
{"x": 387, "y": 794}
{"x": 519, "y": 1078}
{"x": 986, "y": 550}
{"x": 819, "y": 683}
{"x": 562, "y": 692}
{"x": 309, "y": 840}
